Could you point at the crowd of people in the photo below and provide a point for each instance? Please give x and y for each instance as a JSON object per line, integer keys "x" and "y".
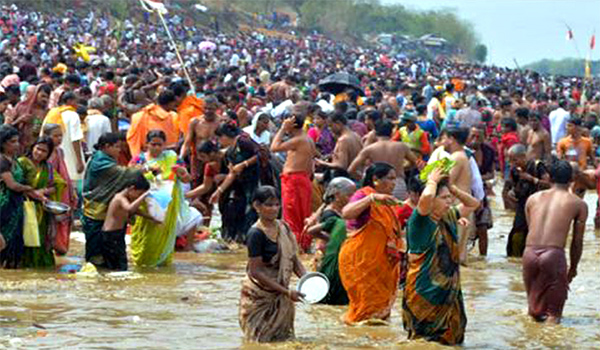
{"x": 386, "y": 182}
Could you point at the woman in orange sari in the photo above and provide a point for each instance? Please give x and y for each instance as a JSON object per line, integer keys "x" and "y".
{"x": 369, "y": 261}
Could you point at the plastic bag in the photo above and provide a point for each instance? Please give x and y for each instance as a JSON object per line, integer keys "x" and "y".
{"x": 31, "y": 233}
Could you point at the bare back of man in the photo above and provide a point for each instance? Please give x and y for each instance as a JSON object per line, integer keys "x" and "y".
{"x": 387, "y": 151}
{"x": 347, "y": 148}
{"x": 550, "y": 215}
{"x": 539, "y": 145}
{"x": 300, "y": 156}
{"x": 460, "y": 175}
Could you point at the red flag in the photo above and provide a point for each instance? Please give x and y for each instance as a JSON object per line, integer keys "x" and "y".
{"x": 593, "y": 42}
{"x": 569, "y": 34}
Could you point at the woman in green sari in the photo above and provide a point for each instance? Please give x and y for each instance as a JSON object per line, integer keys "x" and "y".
{"x": 152, "y": 242}
{"x": 40, "y": 175}
{"x": 103, "y": 179}
{"x": 12, "y": 191}
{"x": 332, "y": 230}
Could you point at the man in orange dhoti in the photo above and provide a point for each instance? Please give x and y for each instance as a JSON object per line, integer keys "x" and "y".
{"x": 159, "y": 116}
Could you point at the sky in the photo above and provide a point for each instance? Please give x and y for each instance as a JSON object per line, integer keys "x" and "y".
{"x": 525, "y": 30}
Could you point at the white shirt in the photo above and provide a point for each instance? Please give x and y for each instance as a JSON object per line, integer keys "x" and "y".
{"x": 72, "y": 133}
{"x": 558, "y": 124}
{"x": 97, "y": 125}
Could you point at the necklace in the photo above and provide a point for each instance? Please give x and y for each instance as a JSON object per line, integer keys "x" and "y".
{"x": 271, "y": 232}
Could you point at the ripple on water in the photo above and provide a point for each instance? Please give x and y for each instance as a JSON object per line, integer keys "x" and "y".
{"x": 194, "y": 305}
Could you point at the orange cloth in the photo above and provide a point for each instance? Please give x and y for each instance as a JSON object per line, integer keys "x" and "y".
{"x": 369, "y": 265}
{"x": 54, "y": 116}
{"x": 573, "y": 151}
{"x": 151, "y": 117}
{"x": 190, "y": 108}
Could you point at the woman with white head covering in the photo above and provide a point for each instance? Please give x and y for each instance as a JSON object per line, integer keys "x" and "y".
{"x": 332, "y": 230}
{"x": 259, "y": 129}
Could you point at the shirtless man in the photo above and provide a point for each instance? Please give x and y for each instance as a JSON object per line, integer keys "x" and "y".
{"x": 296, "y": 185}
{"x": 523, "y": 129}
{"x": 347, "y": 147}
{"x": 387, "y": 151}
{"x": 550, "y": 214}
{"x": 539, "y": 143}
{"x": 121, "y": 207}
{"x": 201, "y": 129}
{"x": 454, "y": 140}
{"x": 371, "y": 118}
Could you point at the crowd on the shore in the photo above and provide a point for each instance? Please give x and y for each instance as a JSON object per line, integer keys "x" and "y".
{"x": 385, "y": 178}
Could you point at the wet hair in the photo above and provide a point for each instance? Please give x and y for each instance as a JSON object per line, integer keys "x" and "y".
{"x": 421, "y": 109}
{"x": 263, "y": 194}
{"x": 374, "y": 115}
{"x": 44, "y": 140}
{"x": 335, "y": 186}
{"x": 167, "y": 96}
{"x": 459, "y": 134}
{"x": 505, "y": 103}
{"x": 3, "y": 97}
{"x": 561, "y": 172}
{"x": 73, "y": 79}
{"x": 510, "y": 124}
{"x": 107, "y": 139}
{"x": 139, "y": 182}
{"x": 339, "y": 118}
{"x": 384, "y": 128}
{"x": 229, "y": 129}
{"x": 415, "y": 185}
{"x": 152, "y": 134}
{"x": 378, "y": 170}
{"x": 49, "y": 128}
{"x": 390, "y": 113}
{"x": 207, "y": 147}
{"x": 7, "y": 132}
{"x": 522, "y": 112}
{"x": 45, "y": 88}
{"x": 179, "y": 89}
{"x": 443, "y": 183}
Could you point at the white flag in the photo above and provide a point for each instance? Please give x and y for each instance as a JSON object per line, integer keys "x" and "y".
{"x": 154, "y": 5}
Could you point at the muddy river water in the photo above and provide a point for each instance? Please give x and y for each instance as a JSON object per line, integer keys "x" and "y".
{"x": 193, "y": 305}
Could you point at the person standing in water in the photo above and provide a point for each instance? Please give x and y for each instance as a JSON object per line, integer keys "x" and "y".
{"x": 550, "y": 214}
{"x": 267, "y": 303}
{"x": 296, "y": 187}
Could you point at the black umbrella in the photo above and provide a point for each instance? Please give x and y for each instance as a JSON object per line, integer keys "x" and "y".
{"x": 339, "y": 82}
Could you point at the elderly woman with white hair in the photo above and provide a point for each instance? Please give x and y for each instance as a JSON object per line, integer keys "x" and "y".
{"x": 332, "y": 230}
{"x": 97, "y": 123}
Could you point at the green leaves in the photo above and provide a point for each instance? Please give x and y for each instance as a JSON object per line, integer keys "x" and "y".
{"x": 445, "y": 163}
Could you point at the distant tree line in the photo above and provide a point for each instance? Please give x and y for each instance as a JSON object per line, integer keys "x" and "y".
{"x": 566, "y": 67}
{"x": 358, "y": 17}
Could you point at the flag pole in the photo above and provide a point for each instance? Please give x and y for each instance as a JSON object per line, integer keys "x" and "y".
{"x": 187, "y": 75}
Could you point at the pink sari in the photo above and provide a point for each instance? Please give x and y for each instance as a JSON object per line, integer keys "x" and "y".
{"x": 26, "y": 107}
{"x": 63, "y": 227}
